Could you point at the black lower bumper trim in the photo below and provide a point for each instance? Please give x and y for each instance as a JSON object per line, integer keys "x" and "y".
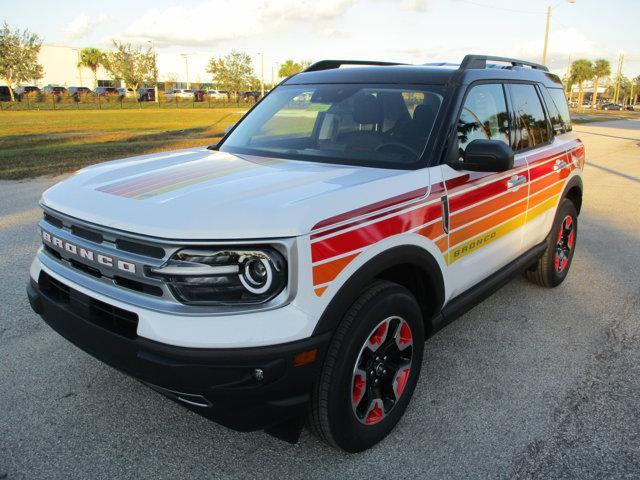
{"x": 216, "y": 383}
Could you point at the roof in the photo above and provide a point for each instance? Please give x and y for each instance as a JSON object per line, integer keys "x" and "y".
{"x": 473, "y": 67}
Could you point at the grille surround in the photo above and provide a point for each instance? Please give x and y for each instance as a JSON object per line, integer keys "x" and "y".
{"x": 151, "y": 292}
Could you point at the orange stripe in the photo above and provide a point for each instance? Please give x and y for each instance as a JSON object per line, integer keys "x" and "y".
{"x": 320, "y": 291}
{"x": 466, "y": 216}
{"x": 540, "y": 197}
{"x": 432, "y": 231}
{"x": 482, "y": 225}
{"x": 551, "y": 179}
{"x": 326, "y": 272}
{"x": 443, "y": 244}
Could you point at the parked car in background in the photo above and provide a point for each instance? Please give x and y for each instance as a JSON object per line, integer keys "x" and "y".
{"x": 54, "y": 90}
{"x": 180, "y": 93}
{"x": 611, "y": 106}
{"x": 30, "y": 90}
{"x": 251, "y": 95}
{"x": 218, "y": 94}
{"x": 126, "y": 92}
{"x": 75, "y": 91}
{"x": 146, "y": 95}
{"x": 5, "y": 94}
{"x": 198, "y": 95}
{"x": 106, "y": 91}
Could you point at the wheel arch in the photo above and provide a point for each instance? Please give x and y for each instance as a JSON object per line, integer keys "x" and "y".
{"x": 408, "y": 265}
{"x": 573, "y": 191}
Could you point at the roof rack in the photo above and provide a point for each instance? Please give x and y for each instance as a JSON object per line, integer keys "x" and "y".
{"x": 331, "y": 64}
{"x": 480, "y": 61}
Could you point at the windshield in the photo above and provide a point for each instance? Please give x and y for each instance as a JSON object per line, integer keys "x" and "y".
{"x": 381, "y": 126}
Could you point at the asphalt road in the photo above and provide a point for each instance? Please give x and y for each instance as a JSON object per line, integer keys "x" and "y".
{"x": 532, "y": 383}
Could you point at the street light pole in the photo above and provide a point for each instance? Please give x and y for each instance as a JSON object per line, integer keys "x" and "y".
{"x": 546, "y": 31}
{"x": 261, "y": 74}
{"x": 546, "y": 36}
{"x": 186, "y": 65}
{"x": 155, "y": 66}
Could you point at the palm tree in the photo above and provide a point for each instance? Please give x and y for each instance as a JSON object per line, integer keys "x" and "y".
{"x": 601, "y": 69}
{"x": 92, "y": 58}
{"x": 581, "y": 71}
{"x": 289, "y": 68}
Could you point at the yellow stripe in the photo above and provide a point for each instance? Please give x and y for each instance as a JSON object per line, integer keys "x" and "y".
{"x": 542, "y": 207}
{"x": 472, "y": 245}
{"x": 479, "y": 241}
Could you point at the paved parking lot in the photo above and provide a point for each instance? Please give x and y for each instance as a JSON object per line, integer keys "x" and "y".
{"x": 533, "y": 383}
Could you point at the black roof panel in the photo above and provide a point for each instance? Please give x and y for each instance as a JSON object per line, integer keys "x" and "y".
{"x": 421, "y": 75}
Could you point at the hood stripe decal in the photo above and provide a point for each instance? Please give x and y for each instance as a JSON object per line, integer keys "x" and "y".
{"x": 175, "y": 178}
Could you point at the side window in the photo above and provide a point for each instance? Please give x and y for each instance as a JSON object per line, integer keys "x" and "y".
{"x": 532, "y": 128}
{"x": 560, "y": 117}
{"x": 484, "y": 116}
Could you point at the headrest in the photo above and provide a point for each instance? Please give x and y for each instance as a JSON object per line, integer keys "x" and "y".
{"x": 425, "y": 113}
{"x": 367, "y": 109}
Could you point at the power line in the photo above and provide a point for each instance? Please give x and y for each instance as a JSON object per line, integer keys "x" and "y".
{"x": 478, "y": 4}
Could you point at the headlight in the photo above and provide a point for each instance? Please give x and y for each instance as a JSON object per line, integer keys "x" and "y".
{"x": 225, "y": 276}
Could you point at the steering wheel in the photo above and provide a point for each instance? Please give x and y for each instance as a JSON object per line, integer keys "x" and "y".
{"x": 390, "y": 146}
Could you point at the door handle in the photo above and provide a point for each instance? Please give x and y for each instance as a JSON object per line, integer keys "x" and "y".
{"x": 516, "y": 181}
{"x": 559, "y": 165}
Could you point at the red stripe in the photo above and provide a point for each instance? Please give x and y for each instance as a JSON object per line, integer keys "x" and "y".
{"x": 389, "y": 202}
{"x": 373, "y": 233}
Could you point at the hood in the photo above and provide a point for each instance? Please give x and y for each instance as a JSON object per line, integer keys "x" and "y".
{"x": 199, "y": 194}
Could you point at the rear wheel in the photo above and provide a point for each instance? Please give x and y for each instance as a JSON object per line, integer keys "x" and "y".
{"x": 551, "y": 269}
{"x": 371, "y": 369}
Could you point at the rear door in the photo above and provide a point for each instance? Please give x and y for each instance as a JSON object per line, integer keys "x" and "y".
{"x": 544, "y": 137}
{"x": 486, "y": 210}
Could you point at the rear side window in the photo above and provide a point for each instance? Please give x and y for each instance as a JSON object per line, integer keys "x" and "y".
{"x": 559, "y": 111}
{"x": 532, "y": 128}
{"x": 484, "y": 116}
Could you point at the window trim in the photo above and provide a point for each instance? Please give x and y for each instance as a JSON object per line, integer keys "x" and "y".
{"x": 546, "y": 95}
{"x": 453, "y": 140}
{"x": 544, "y": 112}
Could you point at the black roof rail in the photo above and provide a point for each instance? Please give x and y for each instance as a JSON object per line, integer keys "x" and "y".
{"x": 331, "y": 64}
{"x": 480, "y": 61}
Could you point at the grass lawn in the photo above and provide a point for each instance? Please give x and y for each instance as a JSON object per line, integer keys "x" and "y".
{"x": 36, "y": 143}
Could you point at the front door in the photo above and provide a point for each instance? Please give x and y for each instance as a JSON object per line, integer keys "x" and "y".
{"x": 486, "y": 210}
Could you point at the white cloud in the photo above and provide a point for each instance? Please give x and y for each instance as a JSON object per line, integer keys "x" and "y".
{"x": 561, "y": 43}
{"x": 414, "y": 5}
{"x": 210, "y": 22}
{"x": 82, "y": 25}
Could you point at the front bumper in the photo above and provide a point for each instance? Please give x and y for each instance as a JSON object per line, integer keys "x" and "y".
{"x": 219, "y": 384}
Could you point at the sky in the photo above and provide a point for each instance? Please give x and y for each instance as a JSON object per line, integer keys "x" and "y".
{"x": 412, "y": 31}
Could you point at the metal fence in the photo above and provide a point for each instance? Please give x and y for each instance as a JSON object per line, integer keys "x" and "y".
{"x": 63, "y": 101}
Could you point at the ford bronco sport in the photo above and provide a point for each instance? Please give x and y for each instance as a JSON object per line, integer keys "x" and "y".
{"x": 294, "y": 270}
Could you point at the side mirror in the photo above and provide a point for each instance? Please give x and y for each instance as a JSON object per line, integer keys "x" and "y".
{"x": 486, "y": 156}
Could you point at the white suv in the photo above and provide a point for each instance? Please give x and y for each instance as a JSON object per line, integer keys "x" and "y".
{"x": 294, "y": 270}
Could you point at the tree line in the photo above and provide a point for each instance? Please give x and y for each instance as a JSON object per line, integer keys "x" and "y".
{"x": 583, "y": 70}
{"x": 135, "y": 66}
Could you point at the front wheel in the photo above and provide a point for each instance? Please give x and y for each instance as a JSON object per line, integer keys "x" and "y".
{"x": 551, "y": 269}
{"x": 371, "y": 369}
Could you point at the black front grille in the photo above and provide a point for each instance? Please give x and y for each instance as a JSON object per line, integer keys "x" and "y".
{"x": 116, "y": 320}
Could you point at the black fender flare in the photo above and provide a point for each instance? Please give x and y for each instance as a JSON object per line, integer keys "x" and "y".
{"x": 354, "y": 286}
{"x": 575, "y": 181}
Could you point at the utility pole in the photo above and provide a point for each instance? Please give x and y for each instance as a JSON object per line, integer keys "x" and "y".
{"x": 155, "y": 67}
{"x": 567, "y": 76}
{"x": 186, "y": 65}
{"x": 616, "y": 94}
{"x": 546, "y": 36}
{"x": 261, "y": 74}
{"x": 546, "y": 32}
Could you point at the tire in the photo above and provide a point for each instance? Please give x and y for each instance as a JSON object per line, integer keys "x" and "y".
{"x": 552, "y": 268}
{"x": 344, "y": 411}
